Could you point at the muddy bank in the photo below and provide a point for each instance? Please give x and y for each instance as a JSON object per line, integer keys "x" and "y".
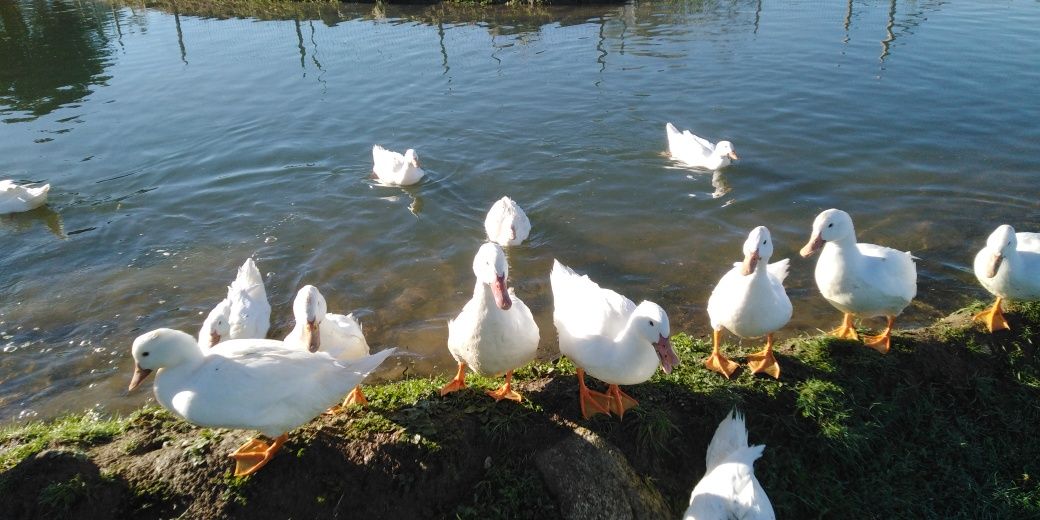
{"x": 943, "y": 426}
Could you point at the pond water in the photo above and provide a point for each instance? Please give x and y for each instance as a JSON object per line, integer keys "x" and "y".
{"x": 178, "y": 144}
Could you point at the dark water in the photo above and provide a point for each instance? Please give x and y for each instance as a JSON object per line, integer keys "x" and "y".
{"x": 178, "y": 145}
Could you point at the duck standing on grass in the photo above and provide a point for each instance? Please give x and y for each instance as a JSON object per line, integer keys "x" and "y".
{"x": 250, "y": 384}
{"x": 729, "y": 488}
{"x": 495, "y": 333}
{"x": 750, "y": 301}
{"x": 15, "y": 198}
{"x": 1008, "y": 267}
{"x": 394, "y": 169}
{"x": 338, "y": 335}
{"x": 860, "y": 279}
{"x": 615, "y": 340}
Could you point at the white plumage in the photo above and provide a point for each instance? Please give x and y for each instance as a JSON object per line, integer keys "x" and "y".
{"x": 250, "y": 315}
{"x": 729, "y": 488}
{"x": 339, "y": 335}
{"x": 698, "y": 152}
{"x": 1009, "y": 268}
{"x": 506, "y": 223}
{"x": 395, "y": 169}
{"x": 16, "y": 198}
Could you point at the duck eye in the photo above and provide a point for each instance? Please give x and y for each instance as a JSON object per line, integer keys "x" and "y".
{"x": 831, "y": 224}
{"x": 144, "y": 354}
{"x": 763, "y": 242}
{"x": 651, "y": 323}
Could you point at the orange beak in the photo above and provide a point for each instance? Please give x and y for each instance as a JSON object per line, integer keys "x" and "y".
{"x": 814, "y": 245}
{"x": 994, "y": 265}
{"x": 139, "y": 375}
{"x": 750, "y": 262}
{"x": 733, "y": 155}
{"x": 313, "y": 336}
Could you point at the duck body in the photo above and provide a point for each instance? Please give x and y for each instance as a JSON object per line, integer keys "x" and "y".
{"x": 16, "y": 198}
{"x": 492, "y": 341}
{"x": 729, "y": 488}
{"x": 506, "y": 223}
{"x": 698, "y": 152}
{"x": 754, "y": 305}
{"x": 338, "y": 335}
{"x": 1016, "y": 257}
{"x": 247, "y": 384}
{"x": 612, "y": 338}
{"x": 250, "y": 313}
{"x": 866, "y": 279}
{"x": 396, "y": 169}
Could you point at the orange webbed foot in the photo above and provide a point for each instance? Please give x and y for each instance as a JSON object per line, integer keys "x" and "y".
{"x": 620, "y": 401}
{"x": 721, "y": 364}
{"x": 255, "y": 454}
{"x": 764, "y": 362}
{"x": 456, "y": 384}
{"x": 993, "y": 318}
{"x": 506, "y": 390}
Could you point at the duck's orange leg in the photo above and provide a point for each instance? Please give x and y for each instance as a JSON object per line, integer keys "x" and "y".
{"x": 846, "y": 330}
{"x": 620, "y": 401}
{"x": 456, "y": 384}
{"x": 356, "y": 396}
{"x": 253, "y": 455}
{"x": 883, "y": 341}
{"x": 716, "y": 361}
{"x": 597, "y": 401}
{"x": 506, "y": 390}
{"x": 764, "y": 361}
{"x": 993, "y": 317}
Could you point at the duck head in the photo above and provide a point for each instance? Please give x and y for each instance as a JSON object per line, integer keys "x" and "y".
{"x": 160, "y": 348}
{"x": 757, "y": 248}
{"x": 491, "y": 268}
{"x": 217, "y": 326}
{"x": 999, "y": 245}
{"x": 309, "y": 310}
{"x": 650, "y": 324}
{"x": 725, "y": 149}
{"x": 831, "y": 225}
{"x": 411, "y": 158}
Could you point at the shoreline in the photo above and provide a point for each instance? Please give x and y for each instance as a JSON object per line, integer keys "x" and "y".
{"x": 848, "y": 432}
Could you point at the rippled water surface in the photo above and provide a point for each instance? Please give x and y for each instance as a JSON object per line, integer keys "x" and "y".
{"x": 178, "y": 144}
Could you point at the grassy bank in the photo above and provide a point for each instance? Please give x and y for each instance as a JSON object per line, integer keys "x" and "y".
{"x": 942, "y": 427}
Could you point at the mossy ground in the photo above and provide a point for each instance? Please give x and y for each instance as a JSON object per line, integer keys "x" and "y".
{"x": 944, "y": 426}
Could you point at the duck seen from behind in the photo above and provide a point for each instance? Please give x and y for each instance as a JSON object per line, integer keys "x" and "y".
{"x": 864, "y": 280}
{"x": 394, "y": 169}
{"x": 318, "y": 330}
{"x": 495, "y": 333}
{"x": 15, "y": 198}
{"x": 506, "y": 223}
{"x": 729, "y": 488}
{"x": 750, "y": 301}
{"x": 613, "y": 339}
{"x": 1009, "y": 268}
{"x": 251, "y": 384}
{"x": 698, "y": 152}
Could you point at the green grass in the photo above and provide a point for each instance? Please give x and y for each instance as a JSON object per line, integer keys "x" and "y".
{"x": 19, "y": 442}
{"x": 61, "y": 496}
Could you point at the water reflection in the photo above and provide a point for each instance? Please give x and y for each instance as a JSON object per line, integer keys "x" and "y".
{"x": 53, "y": 53}
{"x": 22, "y": 222}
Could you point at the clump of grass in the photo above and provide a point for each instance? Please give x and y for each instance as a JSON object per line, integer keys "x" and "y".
{"x": 61, "y": 496}
{"x": 78, "y": 430}
{"x": 512, "y": 489}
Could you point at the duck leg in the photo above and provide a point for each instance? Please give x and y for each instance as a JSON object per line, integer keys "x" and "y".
{"x": 883, "y": 341}
{"x": 716, "y": 361}
{"x": 356, "y": 396}
{"x": 506, "y": 390}
{"x": 456, "y": 384}
{"x": 253, "y": 455}
{"x": 847, "y": 330}
{"x": 597, "y": 401}
{"x": 993, "y": 317}
{"x": 620, "y": 401}
{"x": 764, "y": 361}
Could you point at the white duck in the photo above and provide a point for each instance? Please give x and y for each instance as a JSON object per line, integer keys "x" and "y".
{"x": 395, "y": 169}
{"x": 604, "y": 333}
{"x": 698, "y": 152}
{"x": 217, "y": 326}
{"x": 338, "y": 335}
{"x": 248, "y": 384}
{"x": 506, "y": 223}
{"x": 729, "y": 488}
{"x": 862, "y": 279}
{"x": 750, "y": 302}
{"x": 15, "y": 198}
{"x": 1008, "y": 267}
{"x": 250, "y": 314}
{"x": 495, "y": 333}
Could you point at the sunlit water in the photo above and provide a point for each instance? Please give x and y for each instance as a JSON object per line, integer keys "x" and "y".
{"x": 179, "y": 145}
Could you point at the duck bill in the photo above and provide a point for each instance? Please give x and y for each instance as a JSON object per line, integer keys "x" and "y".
{"x": 814, "y": 245}
{"x": 214, "y": 338}
{"x": 733, "y": 155}
{"x": 139, "y": 376}
{"x": 669, "y": 360}
{"x": 312, "y": 337}
{"x": 994, "y": 265}
{"x": 501, "y": 293}
{"x": 750, "y": 263}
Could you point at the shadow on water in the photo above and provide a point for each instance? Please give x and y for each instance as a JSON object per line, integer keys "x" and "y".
{"x": 53, "y": 54}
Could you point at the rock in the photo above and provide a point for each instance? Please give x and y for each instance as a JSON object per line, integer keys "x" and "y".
{"x": 60, "y": 483}
{"x": 591, "y": 479}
